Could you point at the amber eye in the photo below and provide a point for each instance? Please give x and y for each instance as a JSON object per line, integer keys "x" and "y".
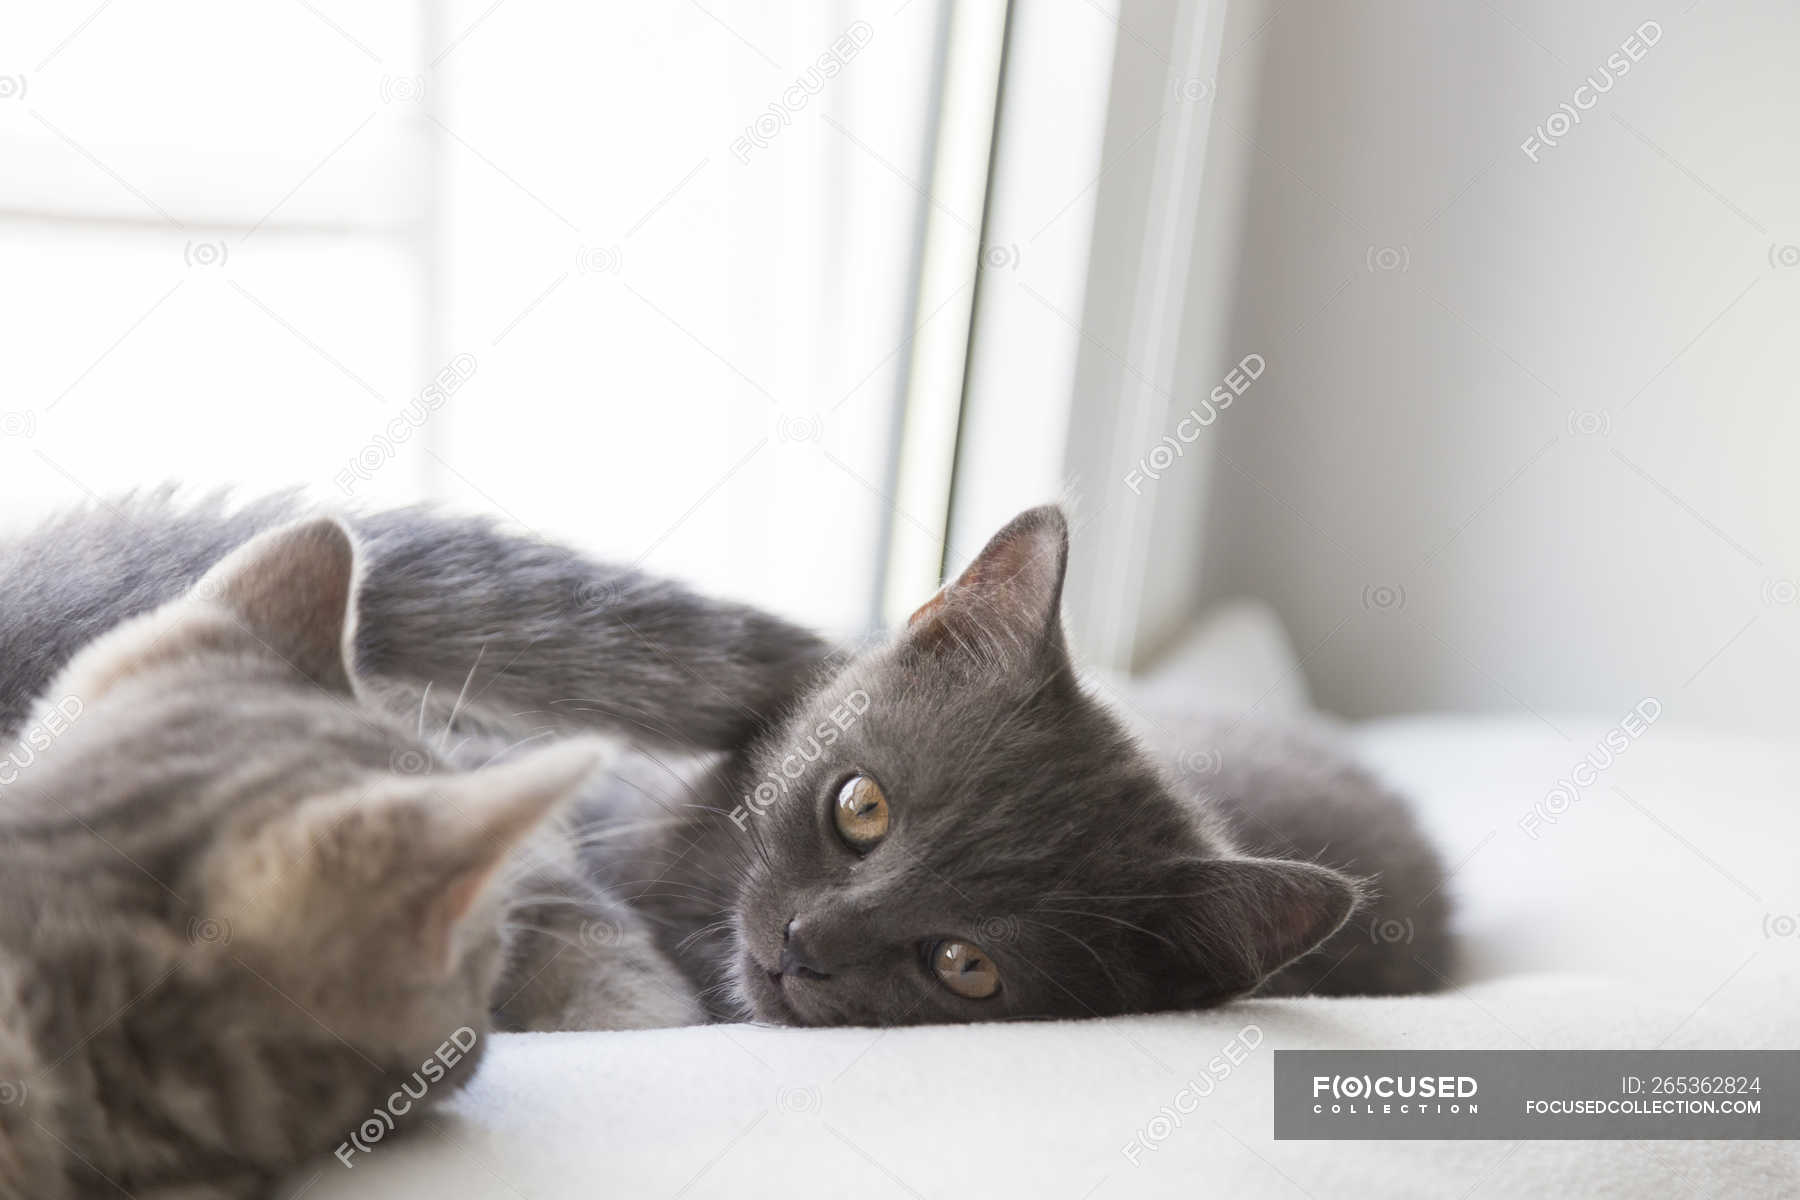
{"x": 965, "y": 969}
{"x": 861, "y": 813}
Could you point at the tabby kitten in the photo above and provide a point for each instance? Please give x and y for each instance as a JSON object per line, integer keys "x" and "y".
{"x": 260, "y": 878}
{"x": 228, "y": 926}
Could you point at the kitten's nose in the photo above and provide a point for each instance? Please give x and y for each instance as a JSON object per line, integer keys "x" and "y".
{"x": 794, "y": 957}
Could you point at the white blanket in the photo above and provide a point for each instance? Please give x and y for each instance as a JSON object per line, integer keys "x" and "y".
{"x": 1655, "y": 911}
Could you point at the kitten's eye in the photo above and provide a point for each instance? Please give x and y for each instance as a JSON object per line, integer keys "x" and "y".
{"x": 861, "y": 813}
{"x": 965, "y": 969}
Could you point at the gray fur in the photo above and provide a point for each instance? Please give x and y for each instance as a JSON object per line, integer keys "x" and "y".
{"x": 562, "y": 642}
{"x": 1027, "y": 820}
{"x": 182, "y": 1006}
{"x": 1290, "y": 790}
{"x": 222, "y": 880}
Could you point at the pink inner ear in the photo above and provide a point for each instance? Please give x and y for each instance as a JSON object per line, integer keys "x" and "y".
{"x": 446, "y": 912}
{"x": 927, "y": 611}
{"x": 292, "y": 588}
{"x": 1010, "y": 592}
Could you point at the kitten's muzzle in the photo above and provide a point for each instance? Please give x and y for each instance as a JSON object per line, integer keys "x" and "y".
{"x": 795, "y": 959}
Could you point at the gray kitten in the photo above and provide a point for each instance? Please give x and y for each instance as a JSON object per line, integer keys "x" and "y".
{"x": 951, "y": 828}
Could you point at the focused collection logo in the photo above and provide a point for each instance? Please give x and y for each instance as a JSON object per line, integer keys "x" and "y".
{"x": 1396, "y": 1095}
{"x": 1535, "y": 1095}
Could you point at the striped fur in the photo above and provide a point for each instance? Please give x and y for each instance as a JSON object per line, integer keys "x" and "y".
{"x": 275, "y": 827}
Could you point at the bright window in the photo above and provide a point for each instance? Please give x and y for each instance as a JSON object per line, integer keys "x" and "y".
{"x": 437, "y": 251}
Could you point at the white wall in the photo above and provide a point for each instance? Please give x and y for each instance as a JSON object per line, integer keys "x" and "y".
{"x": 1528, "y": 439}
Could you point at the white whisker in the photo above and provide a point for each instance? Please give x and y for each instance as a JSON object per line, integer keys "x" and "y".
{"x": 460, "y": 696}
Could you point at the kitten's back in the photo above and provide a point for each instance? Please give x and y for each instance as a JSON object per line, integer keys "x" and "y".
{"x": 79, "y": 574}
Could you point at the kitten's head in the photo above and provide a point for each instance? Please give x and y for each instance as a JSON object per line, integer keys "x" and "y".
{"x": 304, "y": 891}
{"x": 962, "y": 834}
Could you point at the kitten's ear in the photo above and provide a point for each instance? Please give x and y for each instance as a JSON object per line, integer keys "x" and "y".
{"x": 476, "y": 821}
{"x": 294, "y": 589}
{"x": 1239, "y": 920}
{"x": 1010, "y": 596}
{"x": 416, "y": 858}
